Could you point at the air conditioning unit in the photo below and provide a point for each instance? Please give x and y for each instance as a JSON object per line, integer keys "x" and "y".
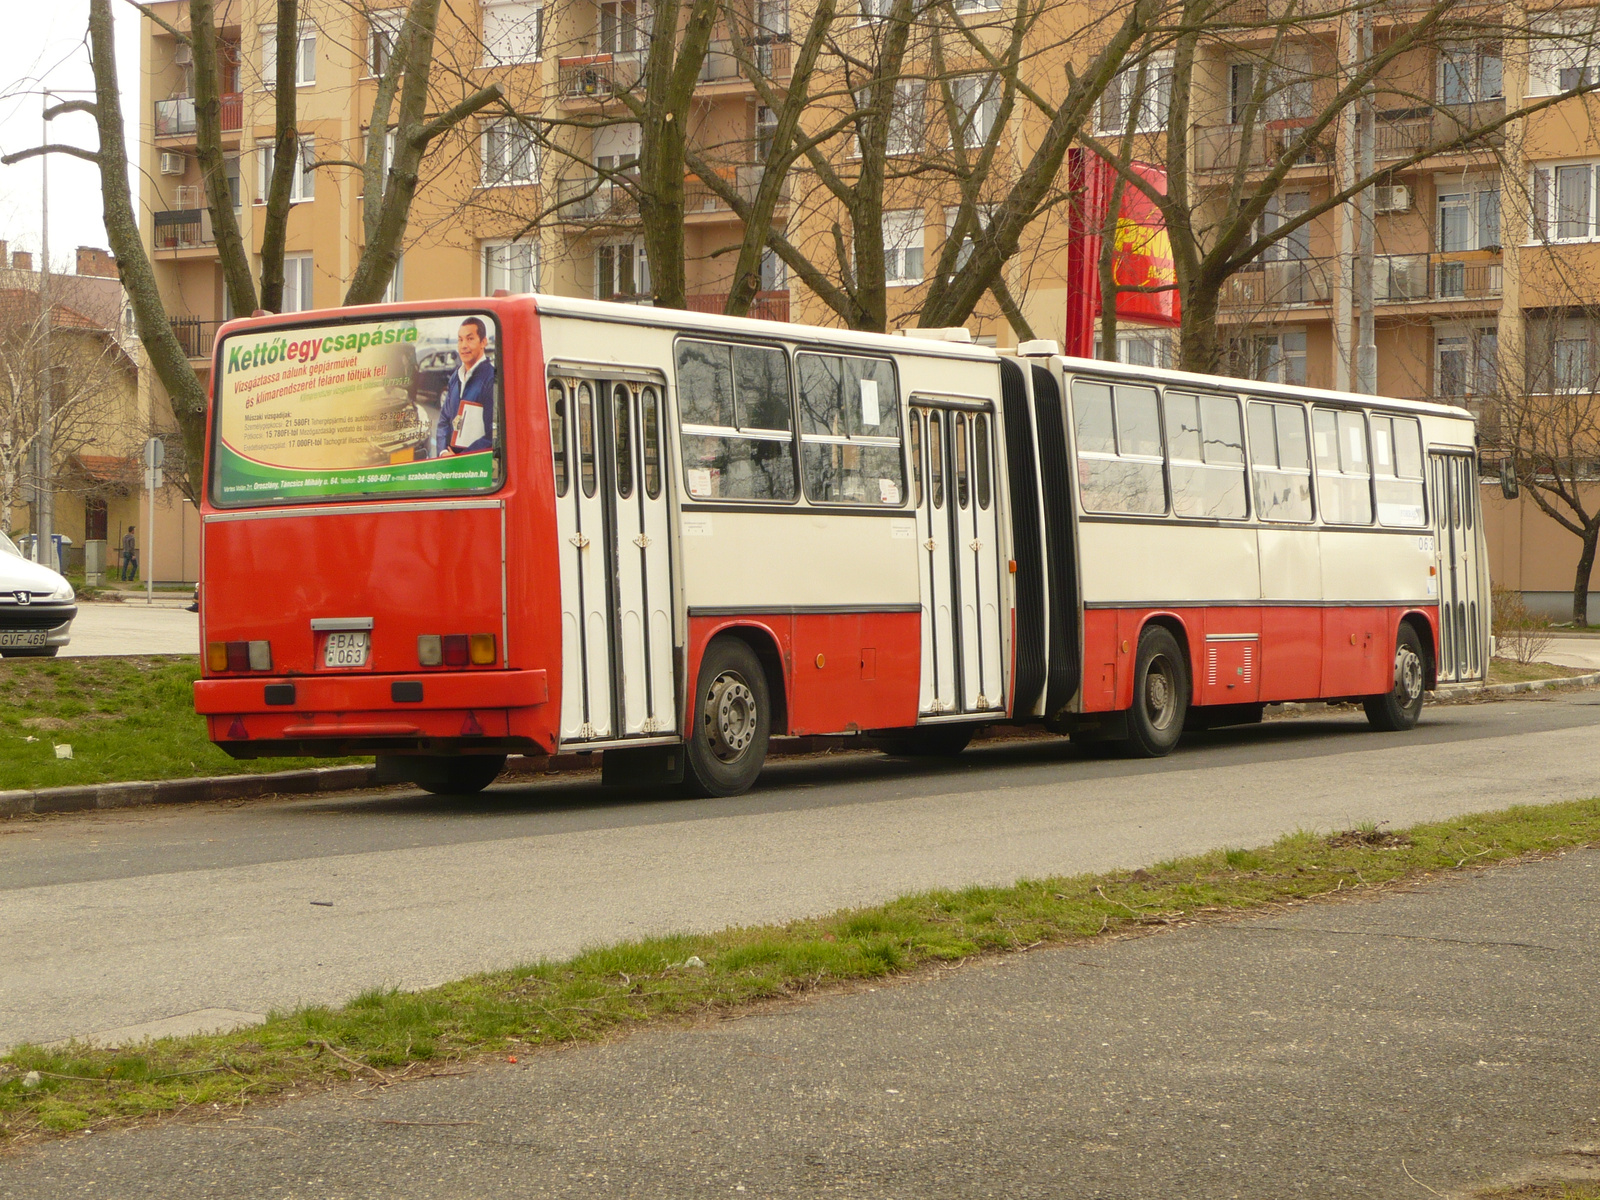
{"x": 1394, "y": 198}
{"x": 182, "y": 55}
{"x": 172, "y": 164}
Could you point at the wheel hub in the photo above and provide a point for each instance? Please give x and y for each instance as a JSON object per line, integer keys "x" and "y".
{"x": 1407, "y": 676}
{"x": 730, "y": 716}
{"x": 1159, "y": 694}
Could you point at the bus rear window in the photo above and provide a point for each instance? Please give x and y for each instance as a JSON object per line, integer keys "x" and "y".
{"x": 401, "y": 407}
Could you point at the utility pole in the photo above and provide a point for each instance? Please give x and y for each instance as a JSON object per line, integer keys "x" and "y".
{"x": 1366, "y": 381}
{"x": 44, "y": 482}
{"x": 1344, "y": 302}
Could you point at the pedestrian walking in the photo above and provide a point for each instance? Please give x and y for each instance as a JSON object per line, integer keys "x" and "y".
{"x": 130, "y": 555}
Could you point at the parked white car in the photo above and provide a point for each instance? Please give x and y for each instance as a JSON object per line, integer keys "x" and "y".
{"x": 36, "y": 606}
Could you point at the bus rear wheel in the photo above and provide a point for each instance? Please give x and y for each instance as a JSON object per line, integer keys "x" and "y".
{"x": 732, "y": 721}
{"x": 446, "y": 775}
{"x": 1160, "y": 695}
{"x": 1399, "y": 708}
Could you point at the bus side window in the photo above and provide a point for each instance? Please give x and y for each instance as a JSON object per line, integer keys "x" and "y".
{"x": 1206, "y": 445}
{"x": 650, "y": 418}
{"x": 963, "y": 492}
{"x": 980, "y": 425}
{"x": 622, "y": 425}
{"x": 1397, "y": 465}
{"x": 936, "y": 457}
{"x": 1120, "y": 464}
{"x": 1344, "y": 472}
{"x": 1280, "y": 461}
{"x": 915, "y": 433}
{"x": 558, "y": 432}
{"x": 586, "y": 438}
{"x": 850, "y": 448}
{"x": 738, "y": 426}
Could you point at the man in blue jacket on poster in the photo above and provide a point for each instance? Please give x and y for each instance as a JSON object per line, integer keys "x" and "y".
{"x": 466, "y": 418}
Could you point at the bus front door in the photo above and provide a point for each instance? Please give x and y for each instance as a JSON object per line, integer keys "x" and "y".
{"x": 616, "y": 577}
{"x": 1463, "y": 617}
{"x": 958, "y": 540}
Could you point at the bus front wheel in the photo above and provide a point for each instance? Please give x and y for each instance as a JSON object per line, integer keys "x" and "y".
{"x": 1400, "y": 707}
{"x": 732, "y": 721}
{"x": 1160, "y": 694}
{"x": 446, "y": 775}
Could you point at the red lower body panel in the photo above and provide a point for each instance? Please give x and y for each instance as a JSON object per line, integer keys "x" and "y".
{"x": 842, "y": 672}
{"x": 1243, "y": 655}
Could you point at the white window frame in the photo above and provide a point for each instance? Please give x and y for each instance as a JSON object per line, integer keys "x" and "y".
{"x": 1155, "y": 103}
{"x": 519, "y": 47}
{"x": 1476, "y": 54}
{"x": 383, "y": 31}
{"x": 298, "y": 277}
{"x": 302, "y": 183}
{"x": 951, "y": 212}
{"x": 305, "y": 59}
{"x": 1570, "y": 44}
{"x": 511, "y": 154}
{"x": 1470, "y": 194}
{"x": 774, "y": 272}
{"x": 395, "y": 291}
{"x": 1478, "y": 376}
{"x": 1544, "y": 191}
{"x": 904, "y": 247}
{"x": 622, "y": 25}
{"x": 874, "y": 10}
{"x": 977, "y": 99}
{"x": 509, "y": 263}
{"x": 1288, "y": 365}
{"x": 1158, "y": 341}
{"x": 641, "y": 268}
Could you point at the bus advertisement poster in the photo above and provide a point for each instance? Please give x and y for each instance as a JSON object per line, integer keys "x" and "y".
{"x": 347, "y": 409}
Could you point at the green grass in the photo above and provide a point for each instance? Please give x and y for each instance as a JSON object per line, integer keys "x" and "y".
{"x": 385, "y": 1035}
{"x": 125, "y": 718}
{"x": 1505, "y": 671}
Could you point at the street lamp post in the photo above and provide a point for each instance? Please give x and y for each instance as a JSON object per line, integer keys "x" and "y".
{"x": 44, "y": 481}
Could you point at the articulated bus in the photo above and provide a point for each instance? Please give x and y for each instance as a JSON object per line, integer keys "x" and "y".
{"x": 444, "y": 533}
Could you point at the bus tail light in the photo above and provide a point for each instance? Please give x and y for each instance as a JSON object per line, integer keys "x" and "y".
{"x": 217, "y": 656}
{"x": 261, "y": 656}
{"x": 430, "y": 652}
{"x": 455, "y": 649}
{"x": 482, "y": 649}
{"x": 239, "y": 656}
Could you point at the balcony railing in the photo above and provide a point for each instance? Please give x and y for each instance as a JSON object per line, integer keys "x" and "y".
{"x": 1283, "y": 281}
{"x": 588, "y": 197}
{"x": 698, "y": 196}
{"x": 183, "y": 229}
{"x": 1402, "y": 133}
{"x": 765, "y": 306}
{"x": 195, "y": 335}
{"x": 1220, "y": 147}
{"x": 597, "y": 76}
{"x": 1396, "y": 279}
{"x": 175, "y": 117}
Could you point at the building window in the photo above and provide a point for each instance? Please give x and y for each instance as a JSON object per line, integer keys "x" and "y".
{"x": 619, "y": 27}
{"x": 1283, "y": 207}
{"x": 512, "y": 265}
{"x": 621, "y": 271}
{"x": 513, "y": 32}
{"x": 774, "y": 272}
{"x": 1278, "y": 357}
{"x": 1563, "y": 202}
{"x": 305, "y": 59}
{"x": 1141, "y": 347}
{"x": 396, "y": 290}
{"x": 296, "y": 283}
{"x": 977, "y": 104}
{"x": 1469, "y": 214}
{"x": 510, "y": 154}
{"x": 902, "y": 247}
{"x": 766, "y": 130}
{"x": 302, "y": 181}
{"x": 1561, "y": 353}
{"x": 875, "y": 10}
{"x": 1468, "y": 74}
{"x": 1286, "y": 94}
{"x": 1153, "y": 100}
{"x": 383, "y": 31}
{"x": 1567, "y": 55}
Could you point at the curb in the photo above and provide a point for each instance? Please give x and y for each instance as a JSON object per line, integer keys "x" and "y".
{"x": 40, "y": 801}
{"x": 1473, "y": 691}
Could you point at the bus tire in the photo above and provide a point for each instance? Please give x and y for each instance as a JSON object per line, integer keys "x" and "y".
{"x": 727, "y": 742}
{"x": 1160, "y": 695}
{"x": 446, "y": 775}
{"x": 1399, "y": 708}
{"x": 929, "y": 741}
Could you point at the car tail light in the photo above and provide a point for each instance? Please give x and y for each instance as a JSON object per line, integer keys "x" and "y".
{"x": 217, "y": 656}
{"x": 455, "y": 649}
{"x": 430, "y": 653}
{"x": 482, "y": 649}
{"x": 261, "y": 656}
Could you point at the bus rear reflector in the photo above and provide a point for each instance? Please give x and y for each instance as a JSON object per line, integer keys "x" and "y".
{"x": 482, "y": 649}
{"x": 429, "y": 651}
{"x": 455, "y": 649}
{"x": 261, "y": 656}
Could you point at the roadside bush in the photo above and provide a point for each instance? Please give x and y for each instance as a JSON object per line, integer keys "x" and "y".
{"x": 1519, "y": 634}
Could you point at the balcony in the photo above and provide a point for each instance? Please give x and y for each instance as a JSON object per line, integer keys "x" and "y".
{"x": 598, "y": 76}
{"x": 183, "y": 229}
{"x": 588, "y": 197}
{"x": 699, "y": 198}
{"x": 765, "y": 306}
{"x": 1221, "y": 147}
{"x": 196, "y": 336}
{"x": 1402, "y": 133}
{"x": 1407, "y": 278}
{"x": 1288, "y": 281}
{"x": 175, "y": 117}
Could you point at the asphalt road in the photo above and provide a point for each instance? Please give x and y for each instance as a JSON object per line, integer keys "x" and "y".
{"x": 132, "y": 627}
{"x": 1428, "y": 1043}
{"x": 121, "y": 918}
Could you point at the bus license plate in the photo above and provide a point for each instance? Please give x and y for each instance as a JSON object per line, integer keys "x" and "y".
{"x": 346, "y": 649}
{"x": 10, "y": 638}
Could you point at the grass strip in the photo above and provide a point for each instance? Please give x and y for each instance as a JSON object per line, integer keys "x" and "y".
{"x": 125, "y": 718}
{"x": 386, "y": 1036}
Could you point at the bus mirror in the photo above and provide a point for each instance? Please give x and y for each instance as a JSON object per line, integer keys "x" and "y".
{"x": 1509, "y": 487}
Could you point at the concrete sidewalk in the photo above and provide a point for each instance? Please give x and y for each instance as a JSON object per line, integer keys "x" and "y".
{"x": 1424, "y": 1042}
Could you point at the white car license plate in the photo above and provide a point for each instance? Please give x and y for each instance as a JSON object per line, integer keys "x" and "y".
{"x": 22, "y": 637}
{"x": 346, "y": 649}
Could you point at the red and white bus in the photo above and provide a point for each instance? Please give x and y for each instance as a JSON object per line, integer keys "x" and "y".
{"x": 443, "y": 533}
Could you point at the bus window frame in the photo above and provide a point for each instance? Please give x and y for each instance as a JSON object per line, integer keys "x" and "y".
{"x": 682, "y": 428}
{"x": 902, "y": 411}
{"x": 500, "y": 450}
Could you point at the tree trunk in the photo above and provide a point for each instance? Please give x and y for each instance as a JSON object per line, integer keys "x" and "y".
{"x": 1580, "y": 584}
{"x": 1199, "y": 348}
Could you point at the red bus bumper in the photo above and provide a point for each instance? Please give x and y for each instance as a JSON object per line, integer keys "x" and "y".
{"x": 353, "y": 714}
